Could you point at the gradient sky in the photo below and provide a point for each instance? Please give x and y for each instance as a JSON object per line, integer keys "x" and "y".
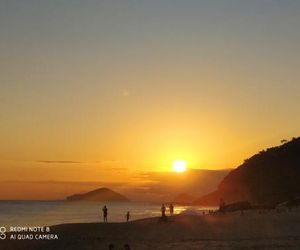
{"x": 98, "y": 90}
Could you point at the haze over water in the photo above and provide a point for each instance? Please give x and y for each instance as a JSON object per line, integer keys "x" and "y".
{"x": 47, "y": 213}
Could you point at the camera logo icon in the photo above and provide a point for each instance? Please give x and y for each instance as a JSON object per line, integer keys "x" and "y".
{"x": 2, "y": 233}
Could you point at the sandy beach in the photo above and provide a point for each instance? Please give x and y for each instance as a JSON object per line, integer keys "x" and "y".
{"x": 252, "y": 230}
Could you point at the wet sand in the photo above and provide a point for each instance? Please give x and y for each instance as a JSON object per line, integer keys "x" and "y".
{"x": 252, "y": 230}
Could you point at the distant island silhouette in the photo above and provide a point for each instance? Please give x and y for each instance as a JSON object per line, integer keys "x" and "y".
{"x": 100, "y": 194}
{"x": 269, "y": 177}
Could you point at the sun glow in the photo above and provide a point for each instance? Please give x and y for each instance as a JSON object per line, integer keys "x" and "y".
{"x": 179, "y": 166}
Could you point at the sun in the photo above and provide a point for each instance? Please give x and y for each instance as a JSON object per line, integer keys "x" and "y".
{"x": 179, "y": 166}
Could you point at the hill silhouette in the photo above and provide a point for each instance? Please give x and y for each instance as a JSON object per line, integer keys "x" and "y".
{"x": 101, "y": 194}
{"x": 165, "y": 186}
{"x": 269, "y": 177}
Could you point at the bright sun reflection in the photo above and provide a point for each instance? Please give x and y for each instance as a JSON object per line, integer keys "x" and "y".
{"x": 179, "y": 166}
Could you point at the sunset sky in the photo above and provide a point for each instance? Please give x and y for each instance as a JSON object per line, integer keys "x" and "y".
{"x": 103, "y": 90}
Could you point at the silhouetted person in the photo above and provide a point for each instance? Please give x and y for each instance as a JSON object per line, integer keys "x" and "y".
{"x": 127, "y": 247}
{"x": 222, "y": 205}
{"x": 171, "y": 208}
{"x": 104, "y": 209}
{"x": 163, "y": 210}
{"x": 111, "y": 247}
{"x": 127, "y": 216}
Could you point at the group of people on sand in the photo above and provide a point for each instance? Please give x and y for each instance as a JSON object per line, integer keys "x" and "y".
{"x": 128, "y": 216}
{"x": 163, "y": 210}
{"x": 105, "y": 214}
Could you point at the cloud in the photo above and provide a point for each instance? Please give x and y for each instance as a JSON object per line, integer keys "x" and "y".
{"x": 60, "y": 162}
{"x": 50, "y": 190}
{"x": 75, "y": 183}
{"x": 140, "y": 186}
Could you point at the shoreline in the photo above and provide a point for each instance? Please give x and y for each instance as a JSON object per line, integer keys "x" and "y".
{"x": 252, "y": 230}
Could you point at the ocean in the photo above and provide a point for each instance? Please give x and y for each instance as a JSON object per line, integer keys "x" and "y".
{"x": 47, "y": 213}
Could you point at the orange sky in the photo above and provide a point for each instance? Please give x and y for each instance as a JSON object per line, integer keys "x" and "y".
{"x": 101, "y": 91}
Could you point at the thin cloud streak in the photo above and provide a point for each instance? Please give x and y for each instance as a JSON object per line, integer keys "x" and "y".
{"x": 60, "y": 162}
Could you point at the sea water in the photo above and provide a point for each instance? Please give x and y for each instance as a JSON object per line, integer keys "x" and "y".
{"x": 46, "y": 213}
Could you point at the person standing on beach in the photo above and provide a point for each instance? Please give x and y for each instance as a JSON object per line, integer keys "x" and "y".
{"x": 171, "y": 208}
{"x": 104, "y": 210}
{"x": 127, "y": 216}
{"x": 163, "y": 210}
{"x": 222, "y": 205}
